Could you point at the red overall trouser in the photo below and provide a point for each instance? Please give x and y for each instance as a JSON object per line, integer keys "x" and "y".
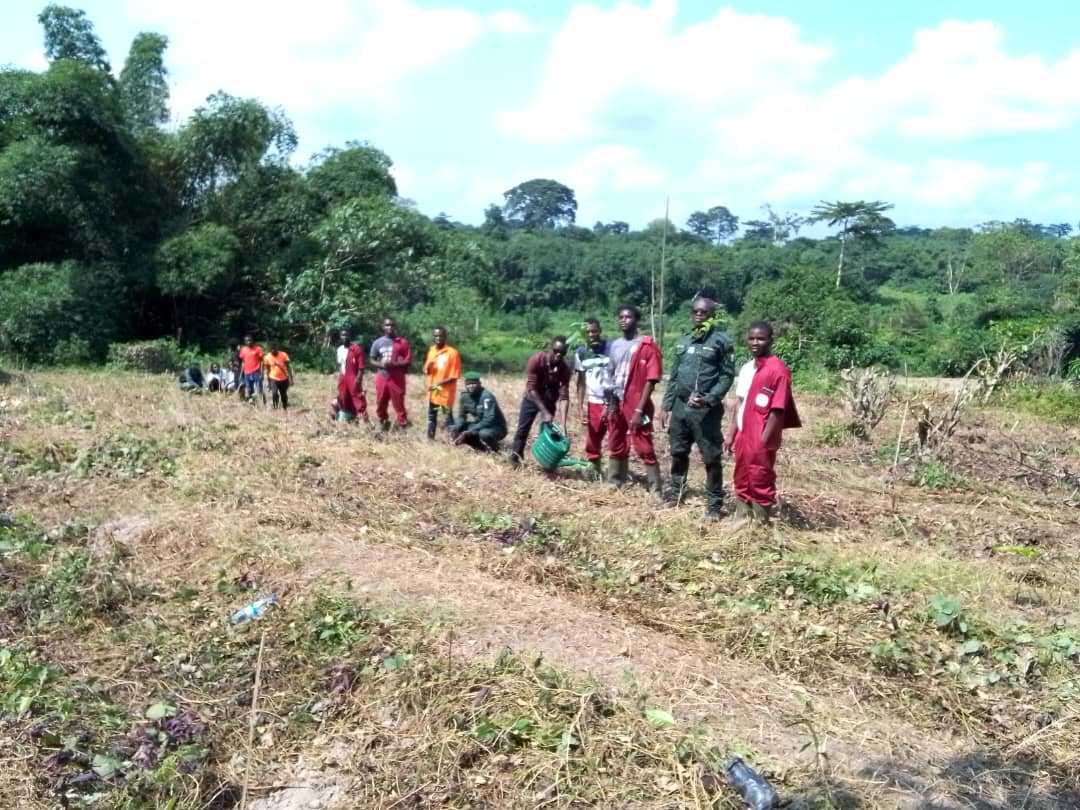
{"x": 620, "y": 437}
{"x": 754, "y": 479}
{"x": 390, "y": 390}
{"x": 596, "y": 429}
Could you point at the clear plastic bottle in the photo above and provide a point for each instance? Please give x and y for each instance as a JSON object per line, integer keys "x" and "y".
{"x": 751, "y": 785}
{"x": 253, "y": 610}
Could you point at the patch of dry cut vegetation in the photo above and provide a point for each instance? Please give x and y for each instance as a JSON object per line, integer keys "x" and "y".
{"x": 908, "y": 634}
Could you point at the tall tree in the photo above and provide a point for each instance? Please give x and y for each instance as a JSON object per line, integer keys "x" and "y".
{"x": 144, "y": 86}
{"x": 717, "y": 224}
{"x": 358, "y": 170}
{"x": 539, "y": 204}
{"x": 859, "y": 220}
{"x": 70, "y": 35}
{"x": 226, "y": 137}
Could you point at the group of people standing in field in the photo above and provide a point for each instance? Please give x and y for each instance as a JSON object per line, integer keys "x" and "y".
{"x": 249, "y": 366}
{"x": 615, "y": 383}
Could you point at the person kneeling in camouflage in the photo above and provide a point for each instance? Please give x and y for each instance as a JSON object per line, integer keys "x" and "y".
{"x": 701, "y": 374}
{"x": 480, "y": 422}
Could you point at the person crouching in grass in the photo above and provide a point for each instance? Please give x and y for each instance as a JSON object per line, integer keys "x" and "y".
{"x": 764, "y": 408}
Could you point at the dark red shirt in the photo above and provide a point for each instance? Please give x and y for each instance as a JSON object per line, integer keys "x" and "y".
{"x": 646, "y": 364}
{"x": 770, "y": 391}
{"x": 550, "y": 381}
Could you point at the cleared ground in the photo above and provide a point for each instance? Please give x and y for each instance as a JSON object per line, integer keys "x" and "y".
{"x": 455, "y": 633}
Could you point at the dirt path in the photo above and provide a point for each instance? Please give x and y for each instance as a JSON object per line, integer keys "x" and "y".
{"x": 747, "y": 703}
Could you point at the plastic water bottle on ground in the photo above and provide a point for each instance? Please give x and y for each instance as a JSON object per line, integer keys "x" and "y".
{"x": 253, "y": 610}
{"x": 751, "y": 785}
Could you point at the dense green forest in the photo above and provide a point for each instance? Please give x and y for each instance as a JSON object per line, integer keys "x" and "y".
{"x": 114, "y": 227}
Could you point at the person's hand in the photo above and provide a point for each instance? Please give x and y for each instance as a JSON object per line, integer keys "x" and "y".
{"x": 585, "y": 416}
{"x": 729, "y": 446}
{"x": 637, "y": 421}
{"x": 696, "y": 401}
{"x": 459, "y": 437}
{"x": 664, "y": 416}
{"x": 548, "y": 417}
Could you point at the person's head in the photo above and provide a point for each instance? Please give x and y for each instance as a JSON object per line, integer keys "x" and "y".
{"x": 558, "y": 347}
{"x": 592, "y": 332}
{"x": 759, "y": 336}
{"x": 249, "y": 339}
{"x": 215, "y": 368}
{"x": 389, "y": 327}
{"x": 438, "y": 336}
{"x": 234, "y": 364}
{"x": 472, "y": 382}
{"x": 344, "y": 336}
{"x": 702, "y": 309}
{"x": 234, "y": 344}
{"x": 628, "y": 315}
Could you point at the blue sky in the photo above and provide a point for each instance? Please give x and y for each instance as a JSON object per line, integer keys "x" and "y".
{"x": 957, "y": 113}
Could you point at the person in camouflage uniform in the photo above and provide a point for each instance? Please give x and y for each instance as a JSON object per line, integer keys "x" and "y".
{"x": 702, "y": 371}
{"x": 480, "y": 423}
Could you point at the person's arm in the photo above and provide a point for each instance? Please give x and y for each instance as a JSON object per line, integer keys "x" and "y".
{"x": 715, "y": 395}
{"x": 532, "y": 387}
{"x": 485, "y": 419}
{"x": 636, "y": 420}
{"x": 773, "y": 425}
{"x": 654, "y": 370}
{"x": 405, "y": 359}
{"x": 288, "y": 371}
{"x": 579, "y": 389}
{"x": 564, "y": 392}
{"x": 453, "y": 368}
{"x": 729, "y": 439}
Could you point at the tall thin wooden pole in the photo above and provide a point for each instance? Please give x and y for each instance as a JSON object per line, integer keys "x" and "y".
{"x": 663, "y": 272}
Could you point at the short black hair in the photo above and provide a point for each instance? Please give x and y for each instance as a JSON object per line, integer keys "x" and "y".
{"x": 705, "y": 301}
{"x": 558, "y": 339}
{"x": 440, "y": 329}
{"x": 629, "y": 308}
{"x": 248, "y": 335}
{"x": 592, "y": 322}
{"x": 761, "y": 325}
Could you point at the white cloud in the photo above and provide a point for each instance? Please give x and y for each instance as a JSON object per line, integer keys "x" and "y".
{"x": 882, "y": 137}
{"x": 284, "y": 54}
{"x": 599, "y": 56}
{"x": 612, "y": 166}
{"x": 509, "y": 22}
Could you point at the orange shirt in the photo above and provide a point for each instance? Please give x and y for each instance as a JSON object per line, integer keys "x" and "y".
{"x": 442, "y": 364}
{"x": 277, "y": 365}
{"x": 252, "y": 358}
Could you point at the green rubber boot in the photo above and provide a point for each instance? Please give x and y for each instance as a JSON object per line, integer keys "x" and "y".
{"x": 743, "y": 515}
{"x": 656, "y": 484}
{"x": 761, "y": 514}
{"x": 596, "y": 469}
{"x": 617, "y": 471}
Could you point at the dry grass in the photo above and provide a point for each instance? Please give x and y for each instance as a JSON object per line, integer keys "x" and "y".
{"x": 823, "y": 621}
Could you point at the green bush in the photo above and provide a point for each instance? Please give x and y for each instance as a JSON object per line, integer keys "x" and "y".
{"x": 58, "y": 313}
{"x": 153, "y": 356}
{"x": 1058, "y": 402}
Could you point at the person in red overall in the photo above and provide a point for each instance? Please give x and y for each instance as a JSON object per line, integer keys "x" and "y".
{"x": 638, "y": 367}
{"x": 765, "y": 408}
{"x": 391, "y": 355}
{"x": 350, "y": 390}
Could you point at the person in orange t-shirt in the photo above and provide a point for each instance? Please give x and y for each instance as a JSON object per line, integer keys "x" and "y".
{"x": 280, "y": 376}
{"x": 443, "y": 368}
{"x": 251, "y": 359}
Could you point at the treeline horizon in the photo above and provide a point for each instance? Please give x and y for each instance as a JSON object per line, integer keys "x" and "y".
{"x": 113, "y": 229}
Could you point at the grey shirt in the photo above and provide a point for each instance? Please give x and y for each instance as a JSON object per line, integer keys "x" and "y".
{"x": 382, "y": 349}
